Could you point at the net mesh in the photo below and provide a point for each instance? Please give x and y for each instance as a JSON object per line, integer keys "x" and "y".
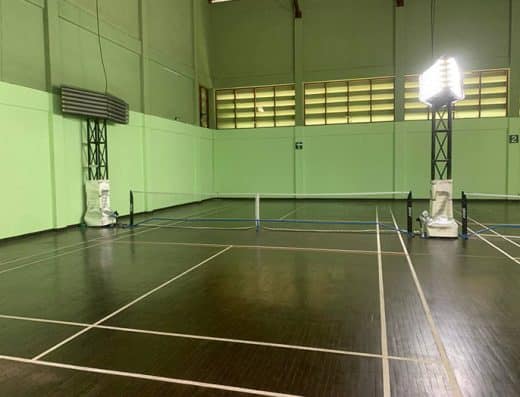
{"x": 320, "y": 213}
{"x": 490, "y": 215}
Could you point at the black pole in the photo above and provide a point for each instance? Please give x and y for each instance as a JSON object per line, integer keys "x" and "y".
{"x": 409, "y": 214}
{"x": 434, "y": 146}
{"x": 449, "y": 133}
{"x": 464, "y": 203}
{"x": 131, "y": 208}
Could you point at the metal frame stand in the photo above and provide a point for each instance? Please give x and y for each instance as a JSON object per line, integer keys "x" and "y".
{"x": 442, "y": 118}
{"x": 464, "y": 205}
{"x": 97, "y": 149}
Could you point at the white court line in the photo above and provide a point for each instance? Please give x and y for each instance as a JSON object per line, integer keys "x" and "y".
{"x": 384, "y": 335}
{"x": 220, "y": 339}
{"x": 494, "y": 232}
{"x": 494, "y": 246}
{"x": 268, "y": 247}
{"x": 138, "y": 299}
{"x": 454, "y": 385}
{"x": 101, "y": 243}
{"x": 293, "y": 211}
{"x": 54, "y": 250}
{"x": 137, "y": 375}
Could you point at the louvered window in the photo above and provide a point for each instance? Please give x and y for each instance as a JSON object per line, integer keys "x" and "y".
{"x": 349, "y": 101}
{"x": 256, "y": 107}
{"x": 485, "y": 91}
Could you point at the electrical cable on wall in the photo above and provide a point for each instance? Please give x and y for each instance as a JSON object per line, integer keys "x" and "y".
{"x": 101, "y": 48}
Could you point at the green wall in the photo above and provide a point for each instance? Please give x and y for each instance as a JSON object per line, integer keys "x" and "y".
{"x": 150, "y": 153}
{"x": 157, "y": 52}
{"x": 377, "y": 157}
{"x": 255, "y": 44}
{"x": 152, "y": 49}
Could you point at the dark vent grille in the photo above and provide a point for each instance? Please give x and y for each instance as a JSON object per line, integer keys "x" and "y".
{"x": 87, "y": 103}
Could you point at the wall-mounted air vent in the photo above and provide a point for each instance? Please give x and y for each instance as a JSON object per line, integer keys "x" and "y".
{"x": 93, "y": 104}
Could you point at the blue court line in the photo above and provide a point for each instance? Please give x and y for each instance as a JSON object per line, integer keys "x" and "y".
{"x": 494, "y": 227}
{"x": 293, "y": 221}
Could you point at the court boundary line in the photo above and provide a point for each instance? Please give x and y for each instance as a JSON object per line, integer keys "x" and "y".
{"x": 494, "y": 232}
{"x": 54, "y": 251}
{"x": 136, "y": 233}
{"x": 505, "y": 253}
{"x": 224, "y": 340}
{"x": 268, "y": 247}
{"x": 137, "y": 375}
{"x": 131, "y": 303}
{"x": 450, "y": 372}
{"x": 384, "y": 334}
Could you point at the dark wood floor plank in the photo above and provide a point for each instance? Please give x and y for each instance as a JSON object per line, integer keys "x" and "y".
{"x": 474, "y": 302}
{"x": 90, "y": 284}
{"x": 409, "y": 333}
{"x": 30, "y": 380}
{"x": 323, "y": 299}
{"x": 26, "y": 338}
{"x": 409, "y": 379}
{"x": 257, "y": 367}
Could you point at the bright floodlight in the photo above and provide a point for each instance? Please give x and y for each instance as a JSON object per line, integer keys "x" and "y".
{"x": 441, "y": 84}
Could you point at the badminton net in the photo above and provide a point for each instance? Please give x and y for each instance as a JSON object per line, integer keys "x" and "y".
{"x": 323, "y": 212}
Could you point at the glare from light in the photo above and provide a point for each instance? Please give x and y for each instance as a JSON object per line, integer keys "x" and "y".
{"x": 442, "y": 83}
{"x": 260, "y": 109}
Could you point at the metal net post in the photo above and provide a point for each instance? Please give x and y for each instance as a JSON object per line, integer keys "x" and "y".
{"x": 131, "y": 208}
{"x": 409, "y": 214}
{"x": 257, "y": 211}
{"x": 464, "y": 204}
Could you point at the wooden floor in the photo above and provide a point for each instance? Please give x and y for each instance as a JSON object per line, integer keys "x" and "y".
{"x": 175, "y": 311}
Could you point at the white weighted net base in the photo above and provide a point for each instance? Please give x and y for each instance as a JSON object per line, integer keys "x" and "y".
{"x": 441, "y": 222}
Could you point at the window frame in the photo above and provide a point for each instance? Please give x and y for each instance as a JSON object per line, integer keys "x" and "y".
{"x": 478, "y": 74}
{"x": 254, "y": 91}
{"x": 203, "y": 115}
{"x": 349, "y": 102}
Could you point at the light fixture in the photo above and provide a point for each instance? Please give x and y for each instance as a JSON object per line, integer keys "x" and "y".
{"x": 439, "y": 87}
{"x": 218, "y": 1}
{"x": 442, "y": 83}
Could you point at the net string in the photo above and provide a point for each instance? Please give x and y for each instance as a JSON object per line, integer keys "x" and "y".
{"x": 262, "y": 223}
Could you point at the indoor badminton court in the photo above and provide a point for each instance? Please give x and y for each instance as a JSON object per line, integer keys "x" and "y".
{"x": 259, "y": 198}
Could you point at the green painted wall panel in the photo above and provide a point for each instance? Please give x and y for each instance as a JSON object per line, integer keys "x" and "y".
{"x": 70, "y": 161}
{"x": 170, "y": 31}
{"x": 25, "y": 169}
{"x": 123, "y": 14}
{"x": 171, "y": 94}
{"x": 82, "y": 64}
{"x": 254, "y": 161}
{"x": 252, "y": 42}
{"x": 480, "y": 156}
{"x": 347, "y": 158}
{"x": 22, "y": 44}
{"x": 416, "y": 40}
{"x": 412, "y": 157}
{"x": 513, "y": 156}
{"x": 348, "y": 39}
{"x": 476, "y": 31}
{"x": 126, "y": 166}
{"x": 202, "y": 47}
{"x": 179, "y": 158}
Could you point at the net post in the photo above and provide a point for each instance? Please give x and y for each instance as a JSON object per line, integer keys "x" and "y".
{"x": 131, "y": 208}
{"x": 464, "y": 204}
{"x": 257, "y": 211}
{"x": 409, "y": 214}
